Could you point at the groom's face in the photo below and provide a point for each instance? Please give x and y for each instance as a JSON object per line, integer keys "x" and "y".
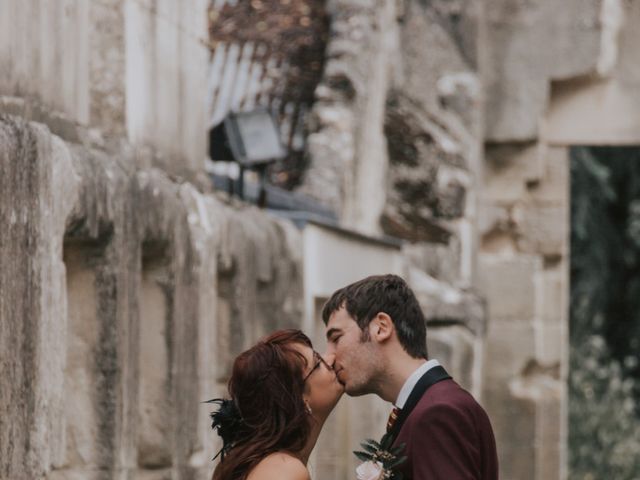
{"x": 355, "y": 359}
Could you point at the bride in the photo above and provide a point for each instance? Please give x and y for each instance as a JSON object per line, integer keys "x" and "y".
{"x": 281, "y": 392}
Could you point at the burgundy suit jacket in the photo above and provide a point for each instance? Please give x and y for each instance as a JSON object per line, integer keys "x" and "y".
{"x": 448, "y": 436}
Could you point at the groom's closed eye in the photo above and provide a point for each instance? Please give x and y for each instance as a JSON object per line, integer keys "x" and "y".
{"x": 332, "y": 335}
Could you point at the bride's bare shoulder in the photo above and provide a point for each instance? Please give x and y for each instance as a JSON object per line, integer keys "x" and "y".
{"x": 279, "y": 466}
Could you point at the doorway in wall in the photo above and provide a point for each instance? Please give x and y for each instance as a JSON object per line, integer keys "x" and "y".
{"x": 604, "y": 376}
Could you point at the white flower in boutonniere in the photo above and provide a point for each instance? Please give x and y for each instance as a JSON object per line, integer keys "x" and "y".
{"x": 380, "y": 460}
{"x": 369, "y": 471}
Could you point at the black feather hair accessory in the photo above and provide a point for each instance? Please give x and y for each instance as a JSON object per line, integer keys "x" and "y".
{"x": 227, "y": 421}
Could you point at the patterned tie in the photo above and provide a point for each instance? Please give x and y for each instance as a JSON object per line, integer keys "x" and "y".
{"x": 392, "y": 418}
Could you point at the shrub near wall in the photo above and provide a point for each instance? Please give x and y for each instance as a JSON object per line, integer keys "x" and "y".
{"x": 604, "y": 384}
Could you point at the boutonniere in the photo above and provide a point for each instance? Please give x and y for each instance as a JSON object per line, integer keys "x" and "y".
{"x": 380, "y": 461}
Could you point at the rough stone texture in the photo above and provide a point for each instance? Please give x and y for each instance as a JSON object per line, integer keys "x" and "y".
{"x": 44, "y": 54}
{"x": 107, "y": 67}
{"x": 141, "y": 288}
{"x": 524, "y": 399}
{"x": 525, "y": 199}
{"x": 406, "y": 165}
{"x": 259, "y": 290}
{"x": 510, "y": 168}
{"x": 552, "y": 75}
{"x": 528, "y": 44}
{"x": 441, "y": 261}
{"x": 163, "y": 287}
{"x": 119, "y": 231}
{"x": 444, "y": 304}
{"x": 433, "y": 127}
{"x": 32, "y": 307}
{"x": 125, "y": 69}
{"x": 373, "y": 54}
{"x": 397, "y": 131}
{"x": 427, "y": 178}
{"x": 544, "y": 228}
{"x": 554, "y": 293}
{"x": 165, "y": 81}
{"x": 346, "y": 147}
{"x": 523, "y": 275}
{"x": 454, "y": 347}
{"x": 602, "y": 110}
{"x": 509, "y": 286}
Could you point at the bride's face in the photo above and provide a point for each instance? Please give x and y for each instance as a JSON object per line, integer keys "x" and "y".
{"x": 322, "y": 388}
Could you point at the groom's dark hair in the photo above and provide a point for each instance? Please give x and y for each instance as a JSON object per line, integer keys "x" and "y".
{"x": 390, "y": 294}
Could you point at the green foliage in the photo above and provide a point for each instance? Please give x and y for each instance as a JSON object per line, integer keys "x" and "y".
{"x": 604, "y": 434}
{"x": 604, "y": 383}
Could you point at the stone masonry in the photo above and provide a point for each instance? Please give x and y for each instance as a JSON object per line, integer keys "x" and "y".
{"x": 113, "y": 274}
{"x": 127, "y": 285}
{"x": 554, "y": 76}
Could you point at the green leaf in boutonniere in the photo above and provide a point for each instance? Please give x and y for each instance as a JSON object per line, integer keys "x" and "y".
{"x": 382, "y": 455}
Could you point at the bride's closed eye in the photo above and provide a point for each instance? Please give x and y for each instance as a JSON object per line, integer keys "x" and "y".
{"x": 318, "y": 360}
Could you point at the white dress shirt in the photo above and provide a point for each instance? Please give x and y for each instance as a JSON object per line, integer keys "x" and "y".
{"x": 406, "y": 389}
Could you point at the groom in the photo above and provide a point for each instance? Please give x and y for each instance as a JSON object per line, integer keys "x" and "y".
{"x": 376, "y": 336}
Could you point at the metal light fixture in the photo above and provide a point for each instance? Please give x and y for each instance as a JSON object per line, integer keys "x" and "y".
{"x": 252, "y": 140}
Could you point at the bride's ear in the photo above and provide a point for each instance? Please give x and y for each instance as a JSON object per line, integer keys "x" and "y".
{"x": 381, "y": 327}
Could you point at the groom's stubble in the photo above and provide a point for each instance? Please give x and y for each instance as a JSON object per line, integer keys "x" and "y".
{"x": 364, "y": 367}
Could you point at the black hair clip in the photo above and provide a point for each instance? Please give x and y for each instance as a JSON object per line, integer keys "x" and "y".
{"x": 227, "y": 421}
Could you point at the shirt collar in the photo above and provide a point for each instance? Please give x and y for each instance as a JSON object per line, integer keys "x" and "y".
{"x": 410, "y": 383}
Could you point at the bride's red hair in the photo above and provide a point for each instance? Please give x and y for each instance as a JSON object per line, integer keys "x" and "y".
{"x": 266, "y": 386}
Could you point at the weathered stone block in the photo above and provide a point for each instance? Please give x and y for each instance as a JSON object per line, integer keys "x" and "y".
{"x": 508, "y": 349}
{"x": 81, "y": 375}
{"x": 553, "y": 186}
{"x": 493, "y": 218}
{"x": 66, "y": 474}
{"x": 552, "y": 342}
{"x": 509, "y": 169}
{"x": 432, "y": 44}
{"x": 594, "y": 112}
{"x": 514, "y": 425}
{"x": 509, "y": 286}
{"x": 528, "y": 43}
{"x": 428, "y": 178}
{"x": 453, "y": 347}
{"x": 161, "y": 474}
{"x": 438, "y": 260}
{"x": 499, "y": 241}
{"x": 543, "y": 228}
{"x": 141, "y": 253}
{"x": 154, "y": 399}
{"x": 550, "y": 441}
{"x": 444, "y": 303}
{"x": 34, "y": 166}
{"x": 554, "y": 292}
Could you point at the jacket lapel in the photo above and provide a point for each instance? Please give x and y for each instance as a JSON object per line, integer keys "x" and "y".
{"x": 433, "y": 376}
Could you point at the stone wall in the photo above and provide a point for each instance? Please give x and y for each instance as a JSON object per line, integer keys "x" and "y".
{"x": 396, "y": 140}
{"x": 142, "y": 290}
{"x": 524, "y": 275}
{"x": 554, "y": 77}
{"x": 132, "y": 69}
{"x": 129, "y": 287}
{"x": 133, "y": 294}
{"x": 396, "y": 133}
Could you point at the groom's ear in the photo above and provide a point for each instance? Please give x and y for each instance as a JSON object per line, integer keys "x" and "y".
{"x": 381, "y": 327}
